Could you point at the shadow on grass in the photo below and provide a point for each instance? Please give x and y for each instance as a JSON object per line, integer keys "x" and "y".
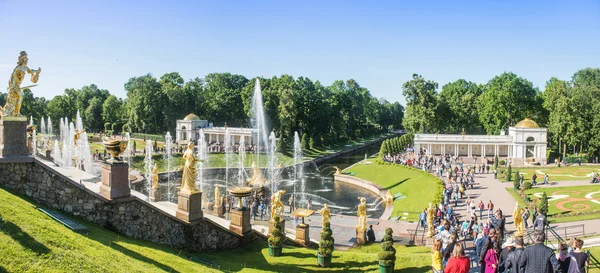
{"x": 416, "y": 269}
{"x": 397, "y": 183}
{"x": 140, "y": 257}
{"x": 2, "y": 269}
{"x": 22, "y": 237}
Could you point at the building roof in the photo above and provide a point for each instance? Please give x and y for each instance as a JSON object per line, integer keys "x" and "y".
{"x": 527, "y": 123}
{"x": 191, "y": 117}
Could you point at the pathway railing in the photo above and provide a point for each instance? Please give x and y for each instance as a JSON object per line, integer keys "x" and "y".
{"x": 594, "y": 263}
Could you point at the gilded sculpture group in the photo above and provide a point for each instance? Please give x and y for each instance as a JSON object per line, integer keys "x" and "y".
{"x": 15, "y": 91}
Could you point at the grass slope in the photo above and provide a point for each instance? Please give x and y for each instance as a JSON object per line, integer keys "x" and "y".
{"x": 32, "y": 242}
{"x": 419, "y": 187}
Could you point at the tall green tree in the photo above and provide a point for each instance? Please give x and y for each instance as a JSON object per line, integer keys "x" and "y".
{"x": 507, "y": 99}
{"x": 145, "y": 104}
{"x": 421, "y": 105}
{"x": 460, "y": 99}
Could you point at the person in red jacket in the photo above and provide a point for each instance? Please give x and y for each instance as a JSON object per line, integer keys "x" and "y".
{"x": 458, "y": 263}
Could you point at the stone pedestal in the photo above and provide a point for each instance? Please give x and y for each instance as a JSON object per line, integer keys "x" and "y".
{"x": 272, "y": 225}
{"x": 48, "y": 154}
{"x": 219, "y": 210}
{"x": 361, "y": 237}
{"x": 240, "y": 221}
{"x": 13, "y": 136}
{"x": 189, "y": 206}
{"x": 115, "y": 183}
{"x": 302, "y": 234}
{"x": 155, "y": 195}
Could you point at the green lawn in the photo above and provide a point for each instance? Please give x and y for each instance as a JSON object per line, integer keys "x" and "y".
{"x": 33, "y": 242}
{"x": 595, "y": 251}
{"x": 574, "y": 201}
{"x": 419, "y": 187}
{"x": 557, "y": 174}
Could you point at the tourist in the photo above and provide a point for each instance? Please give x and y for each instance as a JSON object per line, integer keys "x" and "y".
{"x": 224, "y": 204}
{"x": 490, "y": 207}
{"x": 546, "y": 179}
{"x": 581, "y": 258}
{"x": 540, "y": 222}
{"x": 486, "y": 243}
{"x": 458, "y": 263}
{"x": 449, "y": 249}
{"x": 498, "y": 223}
{"x": 308, "y": 203}
{"x": 423, "y": 218}
{"x": 230, "y": 204}
{"x": 535, "y": 214}
{"x": 291, "y": 203}
{"x": 566, "y": 262}
{"x": 444, "y": 235}
{"x": 370, "y": 234}
{"x": 252, "y": 212}
{"x": 511, "y": 264}
{"x": 526, "y": 217}
{"x": 436, "y": 256}
{"x": 533, "y": 178}
{"x": 507, "y": 247}
{"x": 262, "y": 210}
{"x": 495, "y": 174}
{"x": 538, "y": 258}
{"x": 491, "y": 259}
{"x": 481, "y": 207}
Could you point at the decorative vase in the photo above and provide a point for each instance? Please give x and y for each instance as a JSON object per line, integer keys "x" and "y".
{"x": 386, "y": 268}
{"x": 275, "y": 251}
{"x": 323, "y": 261}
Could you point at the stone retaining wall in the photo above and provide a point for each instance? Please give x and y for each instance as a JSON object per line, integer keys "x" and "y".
{"x": 130, "y": 216}
{"x": 370, "y": 186}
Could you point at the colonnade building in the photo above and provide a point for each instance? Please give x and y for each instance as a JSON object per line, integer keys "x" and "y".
{"x": 189, "y": 129}
{"x": 525, "y": 143}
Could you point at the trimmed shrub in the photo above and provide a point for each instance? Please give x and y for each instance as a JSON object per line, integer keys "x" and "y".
{"x": 304, "y": 142}
{"x": 311, "y": 143}
{"x": 387, "y": 255}
{"x": 277, "y": 236}
{"x": 517, "y": 185}
{"x": 526, "y": 185}
{"x": 496, "y": 162}
{"x": 543, "y": 204}
{"x": 509, "y": 173}
{"x": 326, "y": 243}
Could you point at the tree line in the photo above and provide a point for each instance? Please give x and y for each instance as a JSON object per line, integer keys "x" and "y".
{"x": 568, "y": 108}
{"x": 324, "y": 114}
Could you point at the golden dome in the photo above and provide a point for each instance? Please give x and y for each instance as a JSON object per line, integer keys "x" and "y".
{"x": 191, "y": 117}
{"x": 527, "y": 123}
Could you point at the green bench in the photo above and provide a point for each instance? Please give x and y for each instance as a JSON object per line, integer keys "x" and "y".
{"x": 204, "y": 261}
{"x": 74, "y": 226}
{"x": 350, "y": 173}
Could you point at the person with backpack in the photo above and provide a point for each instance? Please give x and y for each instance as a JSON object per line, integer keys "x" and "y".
{"x": 540, "y": 222}
{"x": 581, "y": 258}
{"x": 533, "y": 178}
{"x": 526, "y": 217}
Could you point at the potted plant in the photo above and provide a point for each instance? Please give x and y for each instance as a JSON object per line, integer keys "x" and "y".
{"x": 325, "y": 246}
{"x": 276, "y": 239}
{"x": 387, "y": 256}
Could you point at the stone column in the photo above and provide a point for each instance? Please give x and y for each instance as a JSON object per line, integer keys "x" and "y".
{"x": 240, "y": 221}
{"x": 469, "y": 150}
{"x": 483, "y": 150}
{"x": 115, "y": 180}
{"x": 13, "y": 136}
{"x": 302, "y": 234}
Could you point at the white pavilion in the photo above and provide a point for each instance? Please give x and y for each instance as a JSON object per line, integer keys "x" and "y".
{"x": 188, "y": 129}
{"x": 525, "y": 143}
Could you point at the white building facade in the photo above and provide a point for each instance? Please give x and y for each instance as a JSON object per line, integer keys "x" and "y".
{"x": 189, "y": 129}
{"x": 525, "y": 142}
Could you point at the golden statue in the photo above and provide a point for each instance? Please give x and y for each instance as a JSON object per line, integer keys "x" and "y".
{"x": 76, "y": 137}
{"x": 337, "y": 170}
{"x": 257, "y": 178}
{"x": 276, "y": 204}
{"x": 155, "y": 176}
{"x": 362, "y": 214}
{"x": 15, "y": 96}
{"x": 430, "y": 217}
{"x": 518, "y": 220}
{"x": 217, "y": 197}
{"x": 389, "y": 198}
{"x": 325, "y": 214}
{"x": 188, "y": 181}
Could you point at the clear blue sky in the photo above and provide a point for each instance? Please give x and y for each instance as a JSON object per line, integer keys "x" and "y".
{"x": 378, "y": 43}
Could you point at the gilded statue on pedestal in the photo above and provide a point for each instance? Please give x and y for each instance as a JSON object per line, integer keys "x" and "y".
{"x": 217, "y": 197}
{"x": 77, "y": 136}
{"x": 518, "y": 220}
{"x": 155, "y": 176}
{"x": 325, "y": 214}
{"x": 188, "y": 181}
{"x": 362, "y": 214}
{"x": 430, "y": 217}
{"x": 257, "y": 178}
{"x": 277, "y": 205}
{"x": 337, "y": 170}
{"x": 15, "y": 96}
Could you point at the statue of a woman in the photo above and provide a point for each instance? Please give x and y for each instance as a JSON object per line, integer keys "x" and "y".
{"x": 155, "y": 176}
{"x": 217, "y": 197}
{"x": 15, "y": 96}
{"x": 325, "y": 214}
{"x": 518, "y": 220}
{"x": 430, "y": 218}
{"x": 188, "y": 181}
{"x": 362, "y": 214}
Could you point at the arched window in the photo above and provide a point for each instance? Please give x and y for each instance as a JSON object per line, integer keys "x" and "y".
{"x": 530, "y": 139}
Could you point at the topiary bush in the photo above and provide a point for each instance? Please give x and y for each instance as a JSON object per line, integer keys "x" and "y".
{"x": 387, "y": 255}
{"x": 277, "y": 236}
{"x": 543, "y": 204}
{"x": 517, "y": 185}
{"x": 496, "y": 162}
{"x": 526, "y": 185}
{"x": 326, "y": 243}
{"x": 509, "y": 173}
